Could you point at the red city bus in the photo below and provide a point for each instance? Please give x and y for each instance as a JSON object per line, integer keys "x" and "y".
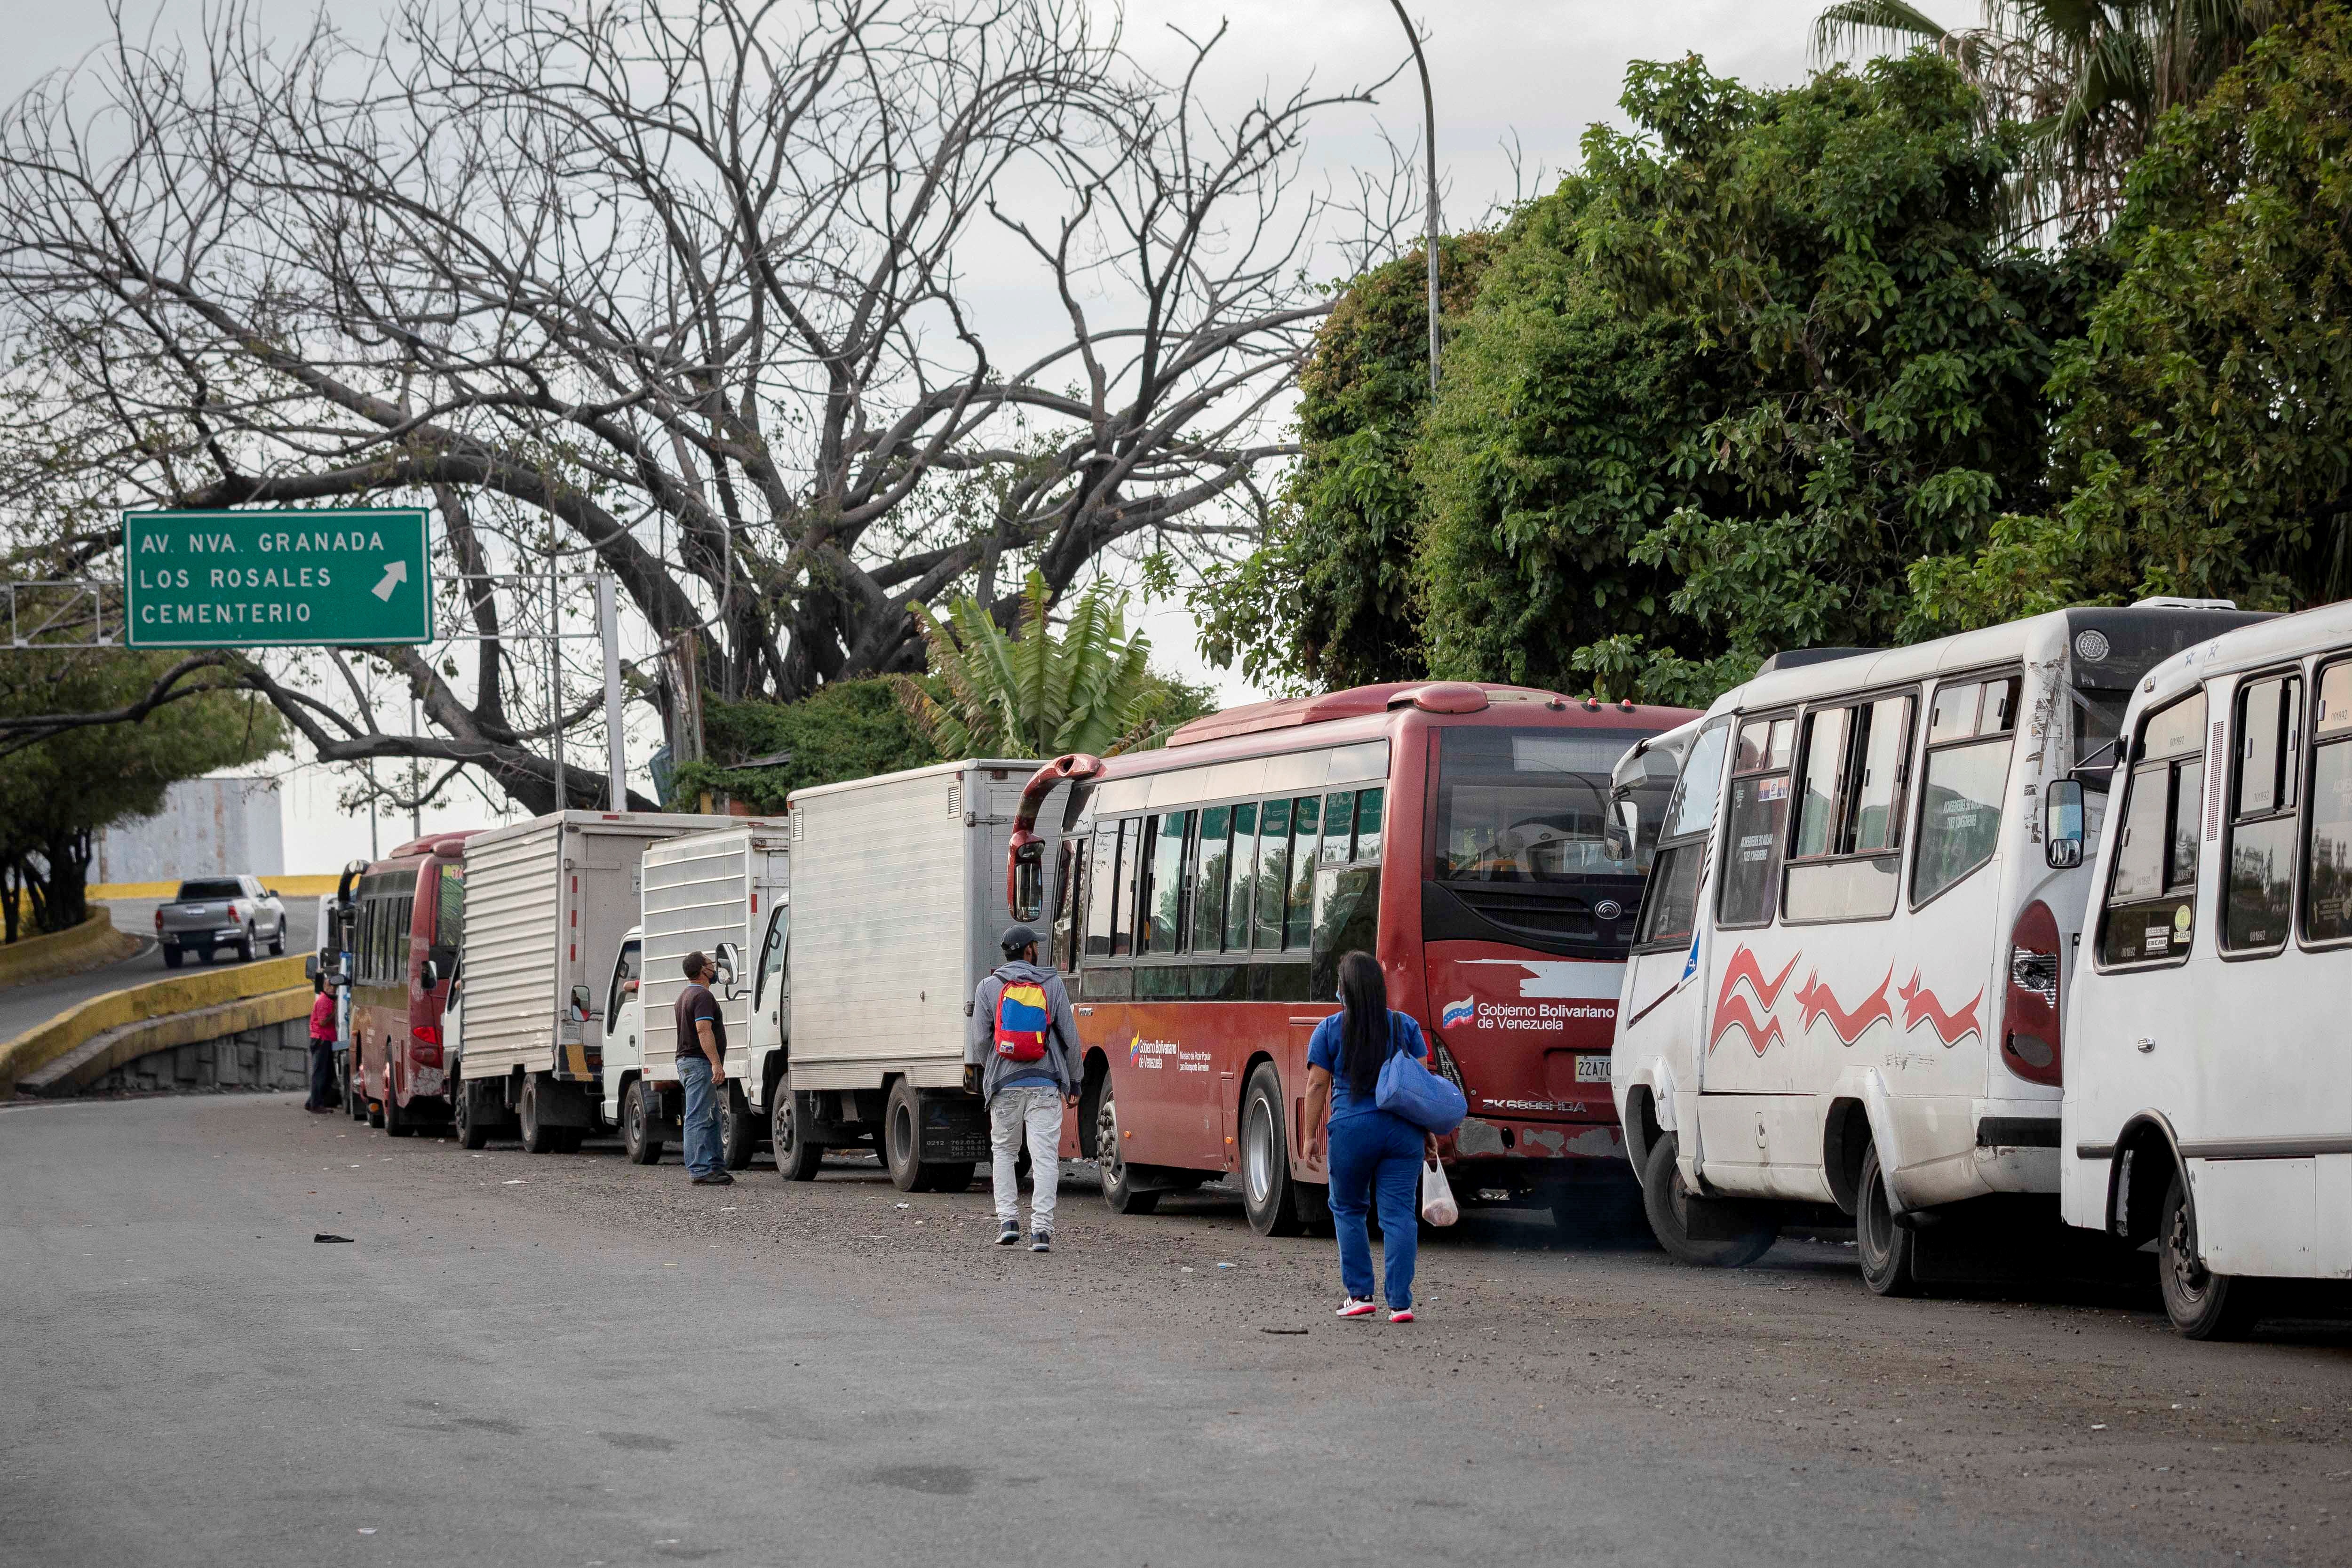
{"x": 1200, "y": 897}
{"x": 410, "y": 922}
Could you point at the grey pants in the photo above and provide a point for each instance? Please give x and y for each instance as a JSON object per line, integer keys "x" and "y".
{"x": 1038, "y": 1111}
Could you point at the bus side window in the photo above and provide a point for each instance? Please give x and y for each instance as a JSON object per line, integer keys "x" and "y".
{"x": 1129, "y": 886}
{"x": 2258, "y": 907}
{"x": 1347, "y": 895}
{"x": 2327, "y": 852}
{"x": 2149, "y": 914}
{"x": 1845, "y": 860}
{"x": 1972, "y": 730}
{"x": 1754, "y": 831}
{"x": 1670, "y": 903}
{"x": 1214, "y": 857}
{"x": 1298, "y": 920}
{"x": 1068, "y": 868}
{"x": 1272, "y": 873}
{"x": 1241, "y": 901}
{"x": 1102, "y": 881}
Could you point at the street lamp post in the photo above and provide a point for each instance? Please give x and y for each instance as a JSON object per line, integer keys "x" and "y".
{"x": 1429, "y": 142}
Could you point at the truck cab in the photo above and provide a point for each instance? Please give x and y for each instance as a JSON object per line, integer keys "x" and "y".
{"x": 624, "y": 1025}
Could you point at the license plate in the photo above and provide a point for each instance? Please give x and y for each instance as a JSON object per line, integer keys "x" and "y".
{"x": 1592, "y": 1069}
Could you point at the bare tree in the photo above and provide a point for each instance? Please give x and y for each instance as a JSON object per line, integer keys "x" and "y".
{"x": 683, "y": 290}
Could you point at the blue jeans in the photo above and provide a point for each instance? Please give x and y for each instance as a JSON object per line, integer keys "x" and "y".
{"x": 703, "y": 1157}
{"x": 1377, "y": 1155}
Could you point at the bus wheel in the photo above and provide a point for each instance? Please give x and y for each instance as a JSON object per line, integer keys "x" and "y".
{"x": 397, "y": 1123}
{"x": 789, "y": 1129}
{"x": 901, "y": 1140}
{"x": 538, "y": 1138}
{"x": 1888, "y": 1252}
{"x": 739, "y": 1130}
{"x": 1269, "y": 1191}
{"x": 1118, "y": 1181}
{"x": 1668, "y": 1203}
{"x": 2202, "y": 1305}
{"x": 375, "y": 1113}
{"x": 464, "y": 1119}
{"x": 638, "y": 1141}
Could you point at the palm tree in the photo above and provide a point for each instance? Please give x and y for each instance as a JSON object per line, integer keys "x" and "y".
{"x": 1028, "y": 693}
{"x": 2086, "y": 79}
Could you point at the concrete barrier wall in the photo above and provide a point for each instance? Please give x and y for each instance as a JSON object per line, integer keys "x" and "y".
{"x": 166, "y": 1002}
{"x": 93, "y": 942}
{"x": 270, "y": 1057}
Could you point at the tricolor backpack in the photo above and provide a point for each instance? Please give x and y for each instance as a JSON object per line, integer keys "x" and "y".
{"x": 1022, "y": 1019}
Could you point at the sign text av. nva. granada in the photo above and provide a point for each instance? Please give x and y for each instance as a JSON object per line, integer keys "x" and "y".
{"x": 258, "y": 579}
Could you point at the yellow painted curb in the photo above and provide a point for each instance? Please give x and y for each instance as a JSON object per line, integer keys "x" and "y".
{"x": 93, "y": 942}
{"x": 129, "y": 1042}
{"x": 285, "y": 886}
{"x": 44, "y": 1043}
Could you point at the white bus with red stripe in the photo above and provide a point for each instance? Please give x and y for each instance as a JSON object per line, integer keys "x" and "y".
{"x": 1843, "y": 989}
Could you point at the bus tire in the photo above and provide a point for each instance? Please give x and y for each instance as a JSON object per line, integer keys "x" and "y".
{"x": 638, "y": 1141}
{"x": 1269, "y": 1187}
{"x": 2202, "y": 1305}
{"x": 902, "y": 1140}
{"x": 464, "y": 1116}
{"x": 397, "y": 1123}
{"x": 955, "y": 1176}
{"x": 739, "y": 1130}
{"x": 1888, "y": 1252}
{"x": 1667, "y": 1201}
{"x": 375, "y": 1113}
{"x": 792, "y": 1130}
{"x": 1117, "y": 1182}
{"x": 538, "y": 1138}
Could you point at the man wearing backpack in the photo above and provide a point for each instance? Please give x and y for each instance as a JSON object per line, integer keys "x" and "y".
{"x": 1024, "y": 1045}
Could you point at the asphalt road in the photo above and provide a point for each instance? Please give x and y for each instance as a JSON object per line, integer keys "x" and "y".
{"x": 571, "y": 1360}
{"x": 23, "y": 1006}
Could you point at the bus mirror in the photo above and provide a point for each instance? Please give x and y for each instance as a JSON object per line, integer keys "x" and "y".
{"x": 1029, "y": 880}
{"x": 1625, "y": 832}
{"x": 430, "y": 974}
{"x": 310, "y": 967}
{"x": 2061, "y": 822}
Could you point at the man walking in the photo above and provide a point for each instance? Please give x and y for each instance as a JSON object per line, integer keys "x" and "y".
{"x": 323, "y": 1047}
{"x": 1024, "y": 1031}
{"x": 702, "y": 1070}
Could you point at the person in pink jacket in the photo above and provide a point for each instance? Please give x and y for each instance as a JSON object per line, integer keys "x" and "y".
{"x": 322, "y": 1048}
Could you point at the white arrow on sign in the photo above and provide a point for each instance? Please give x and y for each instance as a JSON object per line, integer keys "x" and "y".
{"x": 395, "y": 573}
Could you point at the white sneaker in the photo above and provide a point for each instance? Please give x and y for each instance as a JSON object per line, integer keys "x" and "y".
{"x": 1356, "y": 1307}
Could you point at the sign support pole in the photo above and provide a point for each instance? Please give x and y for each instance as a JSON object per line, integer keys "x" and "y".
{"x": 555, "y": 681}
{"x": 608, "y": 627}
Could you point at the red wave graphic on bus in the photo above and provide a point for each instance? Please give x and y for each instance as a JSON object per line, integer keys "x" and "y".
{"x": 1732, "y": 1012}
{"x": 1920, "y": 1005}
{"x": 1743, "y": 966}
{"x": 1818, "y": 1002}
{"x": 1736, "y": 1014}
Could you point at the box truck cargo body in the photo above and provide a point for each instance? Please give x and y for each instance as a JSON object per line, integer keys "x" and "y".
{"x": 898, "y": 900}
{"x": 723, "y": 893}
{"x": 548, "y": 902}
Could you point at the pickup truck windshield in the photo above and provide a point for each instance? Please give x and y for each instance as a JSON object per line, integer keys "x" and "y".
{"x": 205, "y": 891}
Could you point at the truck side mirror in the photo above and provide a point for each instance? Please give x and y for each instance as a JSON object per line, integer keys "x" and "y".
{"x": 2061, "y": 822}
{"x": 581, "y": 1002}
{"x": 729, "y": 958}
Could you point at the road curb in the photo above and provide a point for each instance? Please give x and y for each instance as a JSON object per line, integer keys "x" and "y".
{"x": 92, "y": 944}
{"x": 43, "y": 1044}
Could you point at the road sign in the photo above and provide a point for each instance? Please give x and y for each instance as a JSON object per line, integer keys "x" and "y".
{"x": 273, "y": 579}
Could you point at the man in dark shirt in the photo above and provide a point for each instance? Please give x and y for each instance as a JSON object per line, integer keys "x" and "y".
{"x": 702, "y": 1070}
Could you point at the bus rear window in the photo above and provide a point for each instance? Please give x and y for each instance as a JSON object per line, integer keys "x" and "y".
{"x": 1531, "y": 805}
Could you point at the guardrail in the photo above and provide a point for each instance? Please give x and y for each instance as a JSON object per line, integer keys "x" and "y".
{"x": 278, "y": 981}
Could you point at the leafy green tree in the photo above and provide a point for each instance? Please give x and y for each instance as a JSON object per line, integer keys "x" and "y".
{"x": 845, "y": 730}
{"x": 2205, "y": 432}
{"x": 1030, "y": 693}
{"x": 56, "y": 794}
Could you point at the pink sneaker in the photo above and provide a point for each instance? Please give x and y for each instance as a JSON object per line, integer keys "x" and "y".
{"x": 1401, "y": 1315}
{"x": 1356, "y": 1307}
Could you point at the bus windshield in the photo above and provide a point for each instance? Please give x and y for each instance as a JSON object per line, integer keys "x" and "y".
{"x": 1531, "y": 806}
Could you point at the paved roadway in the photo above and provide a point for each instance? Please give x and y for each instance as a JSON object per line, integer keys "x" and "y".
{"x": 574, "y": 1361}
{"x": 22, "y": 1006}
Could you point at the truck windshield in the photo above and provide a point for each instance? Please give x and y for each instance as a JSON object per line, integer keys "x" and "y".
{"x": 215, "y": 888}
{"x": 1531, "y": 806}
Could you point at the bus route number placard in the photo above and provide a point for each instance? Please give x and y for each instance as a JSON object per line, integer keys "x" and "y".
{"x": 276, "y": 579}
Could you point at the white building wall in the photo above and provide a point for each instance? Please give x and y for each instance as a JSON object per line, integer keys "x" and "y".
{"x": 208, "y": 828}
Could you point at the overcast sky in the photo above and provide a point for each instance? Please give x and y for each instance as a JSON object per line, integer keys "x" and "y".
{"x": 1538, "y": 71}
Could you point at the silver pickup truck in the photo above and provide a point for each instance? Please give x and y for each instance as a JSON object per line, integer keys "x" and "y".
{"x": 210, "y": 912}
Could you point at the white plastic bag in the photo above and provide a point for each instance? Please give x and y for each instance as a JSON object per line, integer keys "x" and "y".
{"x": 1438, "y": 1205}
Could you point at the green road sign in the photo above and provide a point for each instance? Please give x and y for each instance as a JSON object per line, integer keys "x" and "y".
{"x": 267, "y": 579}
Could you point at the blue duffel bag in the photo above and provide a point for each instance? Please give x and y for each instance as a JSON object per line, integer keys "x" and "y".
{"x": 1428, "y": 1100}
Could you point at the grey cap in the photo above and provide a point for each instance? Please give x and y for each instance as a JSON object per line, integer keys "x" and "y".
{"x": 1018, "y": 936}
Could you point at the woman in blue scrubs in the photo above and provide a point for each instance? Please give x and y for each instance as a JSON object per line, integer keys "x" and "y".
{"x": 1375, "y": 1155}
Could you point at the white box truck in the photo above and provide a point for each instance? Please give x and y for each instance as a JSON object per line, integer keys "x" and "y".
{"x": 898, "y": 900}
{"x": 547, "y": 904}
{"x": 725, "y": 893}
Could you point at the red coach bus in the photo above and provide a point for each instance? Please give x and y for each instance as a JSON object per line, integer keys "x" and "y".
{"x": 1200, "y": 895}
{"x": 406, "y": 931}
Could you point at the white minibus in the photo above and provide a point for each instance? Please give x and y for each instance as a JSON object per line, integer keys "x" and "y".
{"x": 1845, "y": 985}
{"x": 2207, "y": 1103}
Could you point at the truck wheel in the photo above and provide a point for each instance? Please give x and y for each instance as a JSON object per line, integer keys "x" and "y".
{"x": 245, "y": 947}
{"x": 470, "y": 1131}
{"x": 2202, "y": 1305}
{"x": 1118, "y": 1180}
{"x": 1269, "y": 1190}
{"x": 1888, "y": 1252}
{"x": 796, "y": 1157}
{"x": 638, "y": 1141}
{"x": 1667, "y": 1201}
{"x": 538, "y": 1138}
{"x": 739, "y": 1130}
{"x": 172, "y": 955}
{"x": 397, "y": 1123}
{"x": 901, "y": 1140}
